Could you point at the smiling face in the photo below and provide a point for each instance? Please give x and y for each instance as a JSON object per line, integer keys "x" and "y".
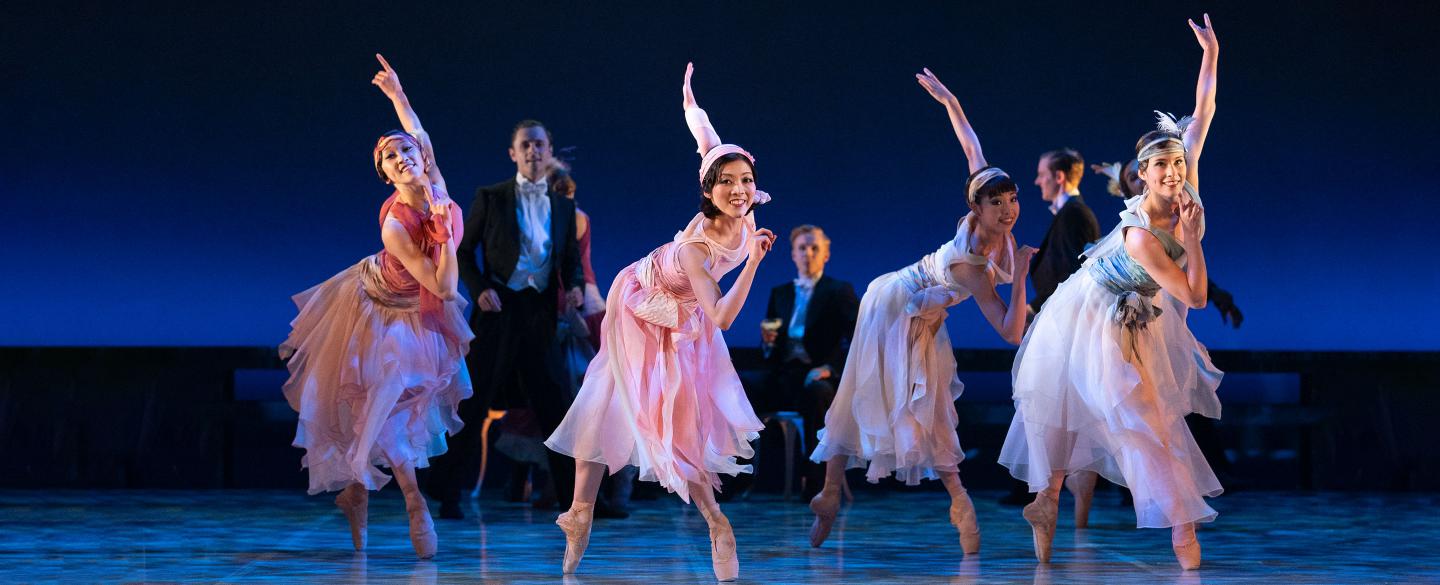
{"x": 997, "y": 212}
{"x": 734, "y": 188}
{"x": 1164, "y": 175}
{"x": 531, "y": 151}
{"x": 401, "y": 161}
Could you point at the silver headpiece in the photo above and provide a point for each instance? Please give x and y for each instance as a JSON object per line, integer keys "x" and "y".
{"x": 1172, "y": 142}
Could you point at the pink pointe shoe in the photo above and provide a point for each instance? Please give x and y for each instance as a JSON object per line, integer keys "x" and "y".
{"x": 354, "y": 502}
{"x": 962, "y": 515}
{"x": 422, "y": 528}
{"x": 1186, "y": 545}
{"x": 1041, "y": 515}
{"x": 576, "y": 524}
{"x": 826, "y": 506}
{"x": 1082, "y": 485}
{"x": 722, "y": 550}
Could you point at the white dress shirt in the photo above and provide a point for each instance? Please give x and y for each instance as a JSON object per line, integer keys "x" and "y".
{"x": 804, "y": 287}
{"x": 532, "y": 211}
{"x": 1061, "y": 199}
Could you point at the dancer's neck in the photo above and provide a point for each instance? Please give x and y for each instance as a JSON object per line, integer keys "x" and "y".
{"x": 723, "y": 228}
{"x": 413, "y": 196}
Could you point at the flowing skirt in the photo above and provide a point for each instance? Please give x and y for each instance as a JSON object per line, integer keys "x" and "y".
{"x": 1093, "y": 395}
{"x": 373, "y": 386}
{"x": 666, "y": 400}
{"x": 895, "y": 407}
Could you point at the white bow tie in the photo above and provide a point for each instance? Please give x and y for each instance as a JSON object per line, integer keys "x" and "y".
{"x": 528, "y": 188}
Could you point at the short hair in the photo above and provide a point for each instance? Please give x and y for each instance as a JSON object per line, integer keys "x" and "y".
{"x": 803, "y": 229}
{"x": 1068, "y": 161}
{"x": 529, "y": 123}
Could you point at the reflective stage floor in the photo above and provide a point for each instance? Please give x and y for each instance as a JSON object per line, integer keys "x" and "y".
{"x": 883, "y": 537}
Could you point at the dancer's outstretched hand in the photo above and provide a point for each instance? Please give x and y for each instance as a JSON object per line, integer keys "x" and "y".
{"x": 689, "y": 101}
{"x": 1205, "y": 34}
{"x": 932, "y": 84}
{"x": 760, "y": 244}
{"x": 387, "y": 80}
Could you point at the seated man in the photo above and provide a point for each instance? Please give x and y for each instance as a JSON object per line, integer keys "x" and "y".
{"x": 805, "y": 337}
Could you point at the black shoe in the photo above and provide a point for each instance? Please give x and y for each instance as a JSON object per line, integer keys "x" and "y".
{"x": 451, "y": 511}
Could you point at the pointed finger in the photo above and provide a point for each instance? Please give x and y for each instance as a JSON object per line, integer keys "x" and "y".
{"x": 383, "y": 62}
{"x": 1207, "y": 20}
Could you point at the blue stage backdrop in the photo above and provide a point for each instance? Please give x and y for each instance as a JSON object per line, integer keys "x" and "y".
{"x": 175, "y": 174}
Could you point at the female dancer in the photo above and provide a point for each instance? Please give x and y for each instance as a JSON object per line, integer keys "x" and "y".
{"x": 377, "y": 353}
{"x": 1106, "y": 374}
{"x": 896, "y": 403}
{"x": 662, "y": 394}
{"x": 1125, "y": 182}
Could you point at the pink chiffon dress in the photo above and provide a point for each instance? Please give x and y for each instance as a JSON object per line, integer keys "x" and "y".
{"x": 662, "y": 394}
{"x": 376, "y": 363}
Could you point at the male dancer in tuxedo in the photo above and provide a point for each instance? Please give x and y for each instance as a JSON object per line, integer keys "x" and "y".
{"x": 524, "y": 235}
{"x": 1058, "y": 176}
{"x": 805, "y": 356}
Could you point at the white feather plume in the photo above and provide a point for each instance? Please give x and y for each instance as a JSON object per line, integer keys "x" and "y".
{"x": 1166, "y": 122}
{"x": 1112, "y": 171}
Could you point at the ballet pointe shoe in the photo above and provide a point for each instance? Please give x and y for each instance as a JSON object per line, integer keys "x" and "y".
{"x": 825, "y": 505}
{"x": 354, "y": 501}
{"x": 1041, "y": 515}
{"x": 1186, "y": 545}
{"x": 422, "y": 528}
{"x": 723, "y": 559}
{"x": 576, "y": 524}
{"x": 962, "y": 515}
{"x": 1082, "y": 486}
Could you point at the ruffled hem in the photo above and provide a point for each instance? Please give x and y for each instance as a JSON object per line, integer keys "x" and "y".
{"x": 894, "y": 411}
{"x": 1080, "y": 405}
{"x": 373, "y": 385}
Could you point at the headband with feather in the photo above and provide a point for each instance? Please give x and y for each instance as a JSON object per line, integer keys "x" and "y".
{"x": 1172, "y": 141}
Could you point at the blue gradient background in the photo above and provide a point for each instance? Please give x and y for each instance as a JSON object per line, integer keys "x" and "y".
{"x": 176, "y": 173}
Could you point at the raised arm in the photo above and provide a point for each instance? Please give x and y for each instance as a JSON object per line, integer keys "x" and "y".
{"x": 1204, "y": 98}
{"x": 389, "y": 83}
{"x": 722, "y": 310}
{"x": 696, "y": 118}
{"x": 968, "y": 140}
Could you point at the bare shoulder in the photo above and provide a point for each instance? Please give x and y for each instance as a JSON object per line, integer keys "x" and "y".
{"x": 972, "y": 276}
{"x": 1140, "y": 243}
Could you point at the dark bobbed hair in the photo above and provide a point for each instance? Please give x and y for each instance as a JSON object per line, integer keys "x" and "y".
{"x": 995, "y": 187}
